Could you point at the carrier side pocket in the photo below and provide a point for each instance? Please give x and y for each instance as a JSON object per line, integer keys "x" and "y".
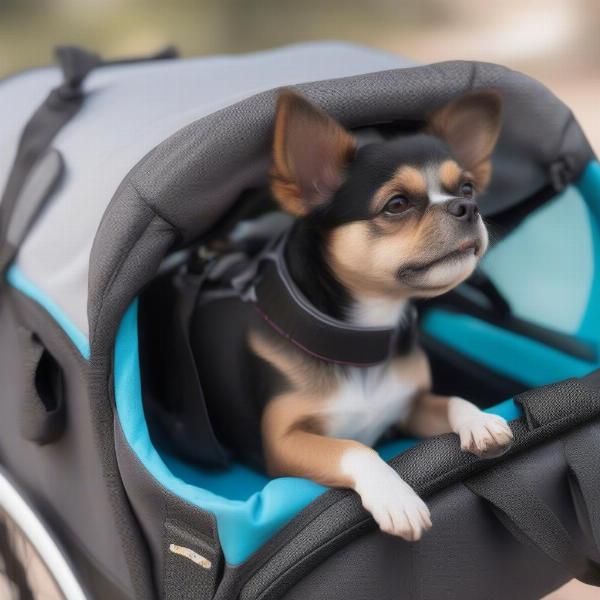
{"x": 43, "y": 412}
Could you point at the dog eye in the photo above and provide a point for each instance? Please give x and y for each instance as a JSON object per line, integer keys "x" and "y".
{"x": 396, "y": 205}
{"x": 467, "y": 189}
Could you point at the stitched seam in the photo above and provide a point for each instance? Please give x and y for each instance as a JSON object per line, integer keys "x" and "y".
{"x": 151, "y": 206}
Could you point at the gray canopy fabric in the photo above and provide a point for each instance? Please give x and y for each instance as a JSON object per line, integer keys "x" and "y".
{"x": 201, "y": 129}
{"x": 130, "y": 109}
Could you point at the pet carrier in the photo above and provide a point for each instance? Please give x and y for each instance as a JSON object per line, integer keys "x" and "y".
{"x": 111, "y": 170}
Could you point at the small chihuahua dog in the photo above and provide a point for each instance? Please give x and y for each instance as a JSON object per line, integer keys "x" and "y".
{"x": 376, "y": 226}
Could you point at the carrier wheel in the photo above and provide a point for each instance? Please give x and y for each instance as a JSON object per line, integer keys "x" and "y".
{"x": 32, "y": 565}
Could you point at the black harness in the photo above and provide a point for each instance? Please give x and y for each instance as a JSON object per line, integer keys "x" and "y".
{"x": 268, "y": 286}
{"x": 220, "y": 386}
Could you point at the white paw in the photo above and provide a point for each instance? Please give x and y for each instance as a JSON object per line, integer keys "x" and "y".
{"x": 484, "y": 435}
{"x": 395, "y": 506}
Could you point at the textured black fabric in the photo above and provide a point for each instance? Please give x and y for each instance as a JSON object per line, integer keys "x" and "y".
{"x": 155, "y": 506}
{"x": 429, "y": 467}
{"x": 468, "y": 554}
{"x": 581, "y": 453}
{"x": 530, "y": 516}
{"x": 152, "y": 233}
{"x": 43, "y": 412}
{"x": 562, "y": 401}
{"x": 185, "y": 579}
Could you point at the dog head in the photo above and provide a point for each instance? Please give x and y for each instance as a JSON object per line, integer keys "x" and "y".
{"x": 399, "y": 217}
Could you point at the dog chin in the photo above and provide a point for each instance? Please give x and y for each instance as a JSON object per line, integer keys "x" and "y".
{"x": 440, "y": 277}
{"x": 449, "y": 275}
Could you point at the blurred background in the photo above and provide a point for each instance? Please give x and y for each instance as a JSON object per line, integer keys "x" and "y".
{"x": 556, "y": 41}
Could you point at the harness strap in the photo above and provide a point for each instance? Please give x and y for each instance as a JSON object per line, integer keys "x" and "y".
{"x": 529, "y": 518}
{"x": 37, "y": 169}
{"x": 269, "y": 286}
{"x": 204, "y": 447}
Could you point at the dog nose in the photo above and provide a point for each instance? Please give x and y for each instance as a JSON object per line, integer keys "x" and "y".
{"x": 462, "y": 209}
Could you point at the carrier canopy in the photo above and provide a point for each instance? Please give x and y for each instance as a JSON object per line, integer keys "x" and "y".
{"x": 187, "y": 183}
{"x": 200, "y": 132}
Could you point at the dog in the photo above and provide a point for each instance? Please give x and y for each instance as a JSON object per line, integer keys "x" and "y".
{"x": 376, "y": 226}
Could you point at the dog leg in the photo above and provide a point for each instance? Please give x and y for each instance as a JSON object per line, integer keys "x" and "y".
{"x": 297, "y": 449}
{"x": 480, "y": 433}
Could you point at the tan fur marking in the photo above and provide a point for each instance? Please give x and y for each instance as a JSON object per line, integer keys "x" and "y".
{"x": 293, "y": 423}
{"x": 296, "y": 452}
{"x": 367, "y": 266}
{"x": 450, "y": 174}
{"x": 429, "y": 416}
{"x": 405, "y": 180}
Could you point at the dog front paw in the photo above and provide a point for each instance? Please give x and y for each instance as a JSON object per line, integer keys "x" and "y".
{"x": 394, "y": 505}
{"x": 485, "y": 435}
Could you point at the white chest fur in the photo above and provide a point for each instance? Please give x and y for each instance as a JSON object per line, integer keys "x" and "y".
{"x": 368, "y": 401}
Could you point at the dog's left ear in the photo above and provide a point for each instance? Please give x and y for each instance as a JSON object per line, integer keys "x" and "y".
{"x": 310, "y": 153}
{"x": 471, "y": 125}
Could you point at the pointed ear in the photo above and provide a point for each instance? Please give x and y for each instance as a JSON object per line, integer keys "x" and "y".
{"x": 471, "y": 125}
{"x": 310, "y": 153}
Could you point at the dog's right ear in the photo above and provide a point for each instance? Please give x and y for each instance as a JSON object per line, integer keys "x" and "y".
{"x": 310, "y": 153}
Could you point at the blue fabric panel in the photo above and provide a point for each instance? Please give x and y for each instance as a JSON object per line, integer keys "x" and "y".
{"x": 17, "y": 279}
{"x": 505, "y": 352}
{"x": 589, "y": 187}
{"x": 533, "y": 267}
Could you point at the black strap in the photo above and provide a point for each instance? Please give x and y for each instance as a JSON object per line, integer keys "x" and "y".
{"x": 562, "y": 402}
{"x": 181, "y": 409}
{"x": 275, "y": 296}
{"x": 33, "y": 153}
{"x": 530, "y": 518}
